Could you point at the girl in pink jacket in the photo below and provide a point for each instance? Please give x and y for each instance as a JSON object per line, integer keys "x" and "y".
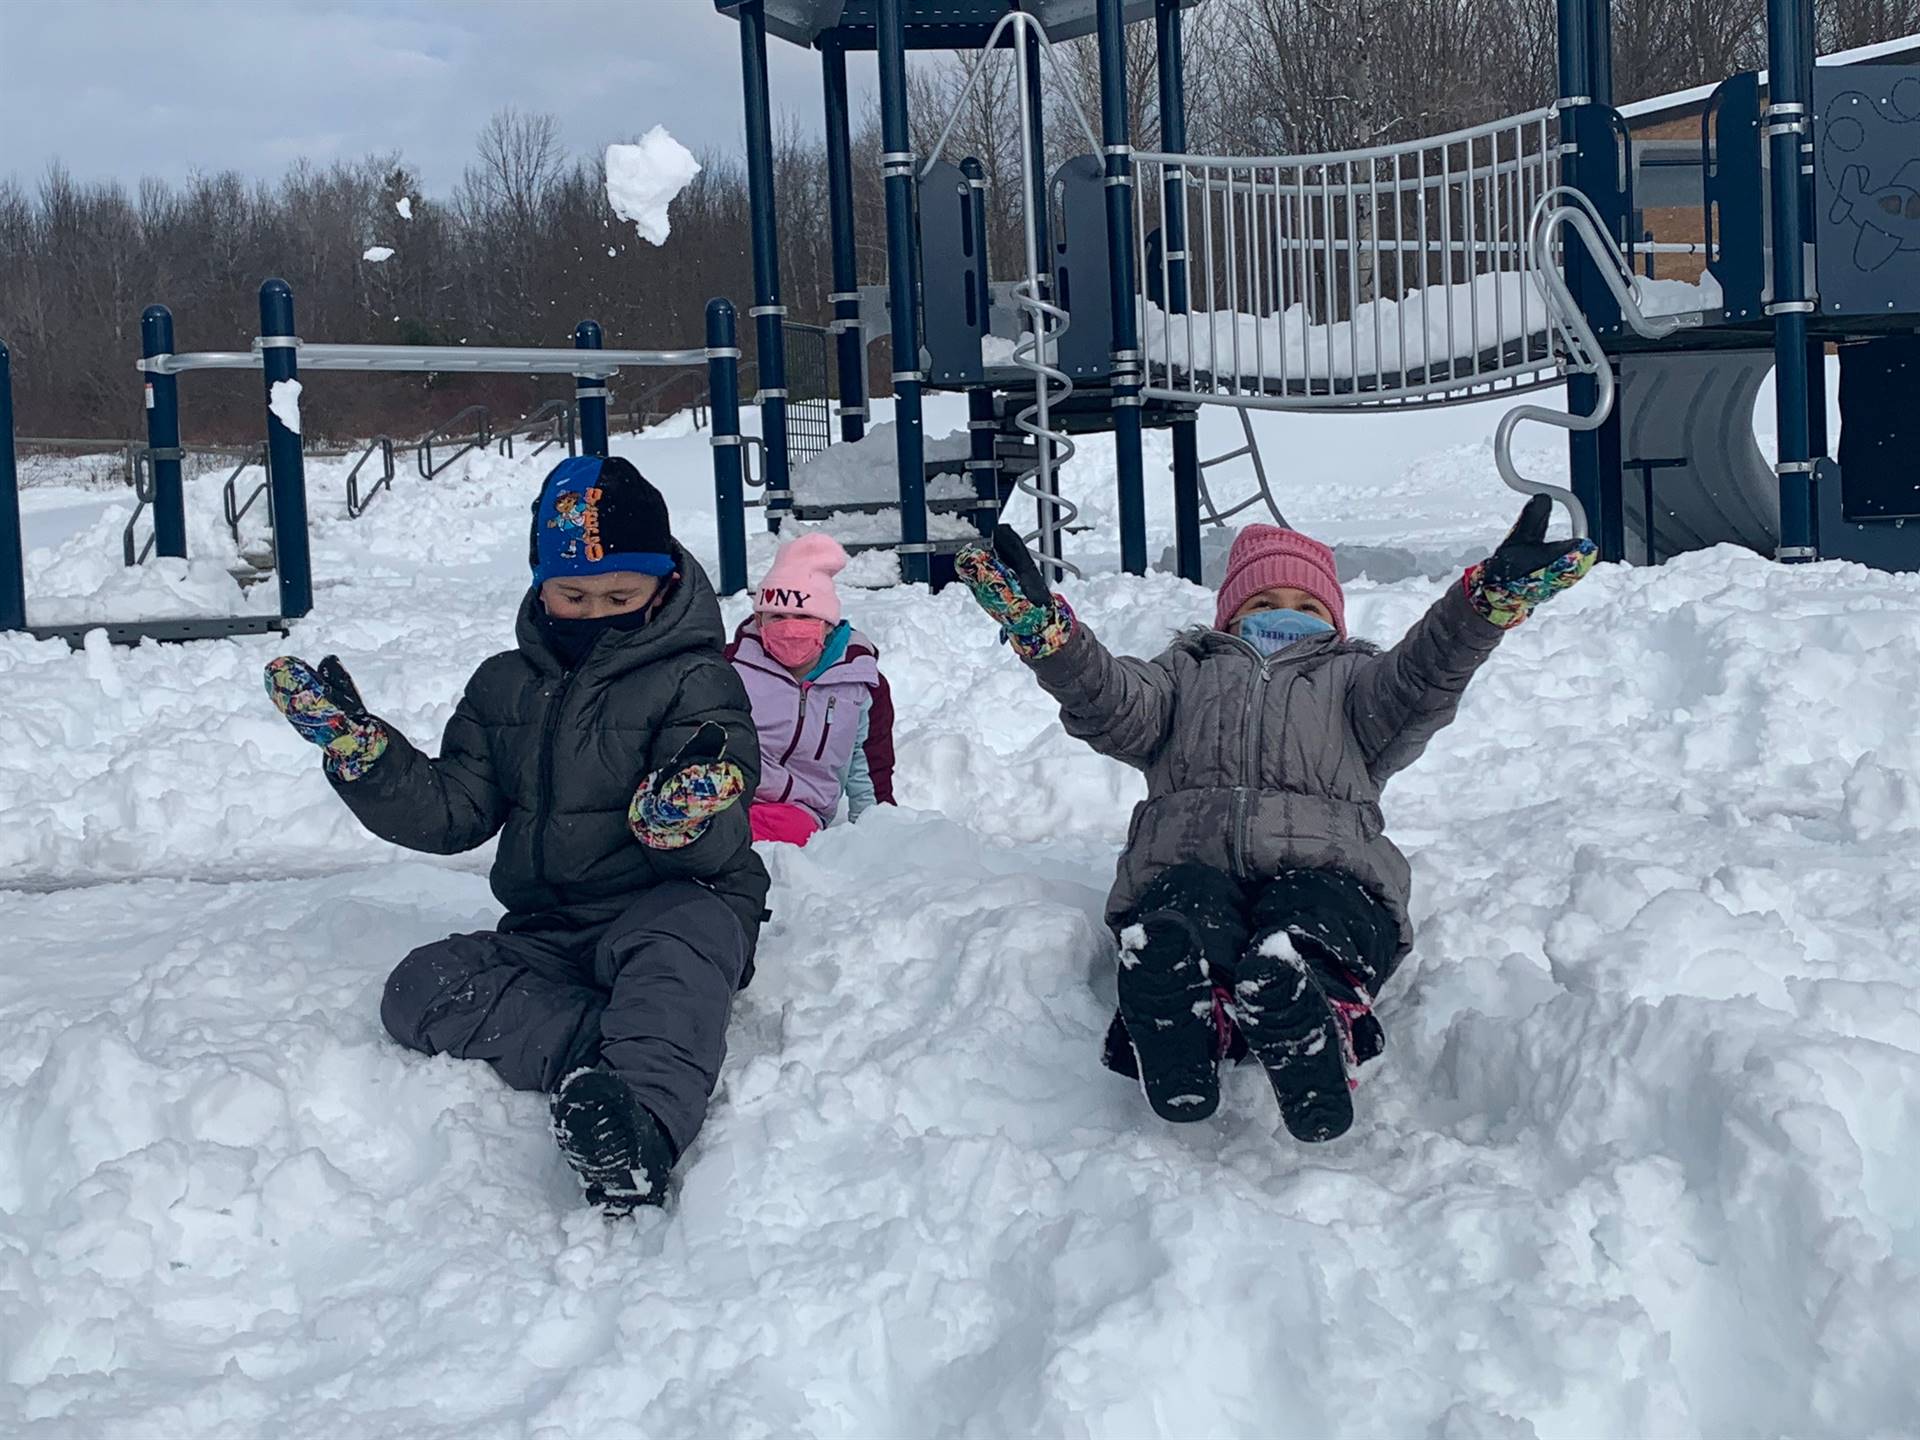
{"x": 820, "y": 703}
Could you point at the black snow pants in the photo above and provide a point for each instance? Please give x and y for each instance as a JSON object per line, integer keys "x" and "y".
{"x": 1346, "y": 936}
{"x": 647, "y": 995}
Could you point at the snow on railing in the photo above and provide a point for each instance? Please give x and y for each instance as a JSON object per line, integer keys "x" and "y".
{"x": 1388, "y": 275}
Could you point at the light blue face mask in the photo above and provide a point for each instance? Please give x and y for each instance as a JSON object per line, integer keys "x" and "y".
{"x": 1271, "y": 631}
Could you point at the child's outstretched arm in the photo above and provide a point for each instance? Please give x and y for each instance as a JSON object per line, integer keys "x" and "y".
{"x": 441, "y": 806}
{"x": 1405, "y": 697}
{"x": 706, "y": 760}
{"x": 1120, "y": 706}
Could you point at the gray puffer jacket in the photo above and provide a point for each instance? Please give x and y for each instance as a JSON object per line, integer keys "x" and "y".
{"x": 548, "y": 758}
{"x": 1258, "y": 766}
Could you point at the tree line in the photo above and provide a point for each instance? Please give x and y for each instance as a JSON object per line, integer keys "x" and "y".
{"x": 526, "y": 244}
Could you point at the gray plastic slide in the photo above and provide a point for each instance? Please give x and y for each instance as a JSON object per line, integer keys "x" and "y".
{"x": 1697, "y": 408}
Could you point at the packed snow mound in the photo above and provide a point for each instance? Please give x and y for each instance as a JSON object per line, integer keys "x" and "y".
{"x": 867, "y": 471}
{"x": 1637, "y": 1160}
{"x": 643, "y": 179}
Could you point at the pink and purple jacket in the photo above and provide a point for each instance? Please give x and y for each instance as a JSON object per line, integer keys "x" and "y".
{"x": 822, "y": 737}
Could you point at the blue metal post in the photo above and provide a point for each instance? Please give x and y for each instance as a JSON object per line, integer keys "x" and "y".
{"x": 286, "y": 467}
{"x": 1173, "y": 237}
{"x": 729, "y": 493}
{"x": 1611, "y": 517}
{"x": 1126, "y": 320}
{"x": 983, "y": 468}
{"x": 1787, "y": 122}
{"x": 163, "y": 436}
{"x": 846, "y": 269}
{"x": 767, "y": 312}
{"x": 590, "y": 393}
{"x": 1173, "y": 140}
{"x": 1583, "y": 447}
{"x": 1186, "y": 495}
{"x": 903, "y": 246}
{"x": 13, "y": 564}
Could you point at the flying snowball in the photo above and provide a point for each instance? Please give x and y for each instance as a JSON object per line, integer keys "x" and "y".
{"x": 405, "y": 206}
{"x": 377, "y": 253}
{"x": 643, "y": 179}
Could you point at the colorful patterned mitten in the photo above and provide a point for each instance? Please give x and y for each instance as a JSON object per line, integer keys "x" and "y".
{"x": 323, "y": 705}
{"x": 1007, "y": 584}
{"x": 675, "y": 804}
{"x": 1527, "y": 569}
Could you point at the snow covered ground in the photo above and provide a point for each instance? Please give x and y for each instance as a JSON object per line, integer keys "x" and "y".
{"x": 1638, "y": 1161}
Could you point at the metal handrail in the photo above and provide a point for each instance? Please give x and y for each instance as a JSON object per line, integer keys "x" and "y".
{"x": 642, "y": 411}
{"x": 1565, "y": 208}
{"x": 553, "y": 420}
{"x": 1370, "y": 152}
{"x": 501, "y": 359}
{"x": 423, "y": 448}
{"x": 229, "y": 497}
{"x": 143, "y": 497}
{"x": 357, "y": 503}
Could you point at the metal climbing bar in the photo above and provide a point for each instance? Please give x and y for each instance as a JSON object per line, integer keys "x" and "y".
{"x": 1390, "y": 275}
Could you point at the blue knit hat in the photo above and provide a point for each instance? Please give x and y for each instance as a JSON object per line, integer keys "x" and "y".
{"x": 597, "y": 516}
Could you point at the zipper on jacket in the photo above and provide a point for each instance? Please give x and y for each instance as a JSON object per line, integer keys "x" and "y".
{"x": 543, "y": 801}
{"x": 1249, "y": 733}
{"x": 826, "y": 727}
{"x": 799, "y": 727}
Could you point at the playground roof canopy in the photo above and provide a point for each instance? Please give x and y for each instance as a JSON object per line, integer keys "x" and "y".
{"x": 930, "y": 24}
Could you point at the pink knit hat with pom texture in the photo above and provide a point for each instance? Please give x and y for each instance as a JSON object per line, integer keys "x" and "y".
{"x": 1265, "y": 556}
{"x": 800, "y": 580}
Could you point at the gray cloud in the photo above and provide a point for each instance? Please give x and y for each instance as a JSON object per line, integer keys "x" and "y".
{"x": 118, "y": 89}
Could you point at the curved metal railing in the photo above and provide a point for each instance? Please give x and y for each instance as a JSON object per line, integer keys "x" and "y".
{"x": 1564, "y": 209}
{"x": 423, "y": 460}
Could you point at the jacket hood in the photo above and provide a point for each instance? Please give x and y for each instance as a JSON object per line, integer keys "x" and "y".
{"x": 689, "y": 620}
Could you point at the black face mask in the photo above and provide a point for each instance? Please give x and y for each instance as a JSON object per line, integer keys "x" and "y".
{"x": 572, "y": 640}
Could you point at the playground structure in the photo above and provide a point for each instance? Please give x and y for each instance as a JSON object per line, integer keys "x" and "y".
{"x": 1493, "y": 260}
{"x": 1490, "y": 261}
{"x": 156, "y": 468}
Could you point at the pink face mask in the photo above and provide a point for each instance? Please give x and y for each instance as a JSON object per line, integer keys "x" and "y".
{"x": 794, "y": 641}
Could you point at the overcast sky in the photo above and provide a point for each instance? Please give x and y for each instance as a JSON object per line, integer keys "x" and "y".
{"x": 126, "y": 88}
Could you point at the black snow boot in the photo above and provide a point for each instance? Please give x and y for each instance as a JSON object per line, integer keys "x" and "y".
{"x": 1166, "y": 1005}
{"x": 1291, "y": 1024}
{"x": 612, "y": 1141}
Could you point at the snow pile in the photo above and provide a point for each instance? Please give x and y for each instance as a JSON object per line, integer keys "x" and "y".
{"x": 378, "y": 254}
{"x": 642, "y": 180}
{"x": 1637, "y": 1160}
{"x": 867, "y": 472}
{"x": 283, "y": 400}
{"x": 1424, "y": 331}
{"x": 1678, "y": 297}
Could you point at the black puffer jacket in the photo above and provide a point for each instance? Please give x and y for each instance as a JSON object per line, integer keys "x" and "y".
{"x": 549, "y": 759}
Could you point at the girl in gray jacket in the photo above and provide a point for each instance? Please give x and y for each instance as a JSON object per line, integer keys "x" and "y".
{"x": 1259, "y": 905}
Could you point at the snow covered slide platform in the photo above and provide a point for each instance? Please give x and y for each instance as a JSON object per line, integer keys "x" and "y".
{"x": 1637, "y": 1160}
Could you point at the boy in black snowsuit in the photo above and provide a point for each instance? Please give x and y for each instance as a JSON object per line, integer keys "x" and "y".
{"x": 608, "y": 752}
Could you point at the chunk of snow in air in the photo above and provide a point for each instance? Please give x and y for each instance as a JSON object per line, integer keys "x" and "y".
{"x": 643, "y": 179}
{"x": 284, "y": 401}
{"x": 405, "y": 206}
{"x": 377, "y": 253}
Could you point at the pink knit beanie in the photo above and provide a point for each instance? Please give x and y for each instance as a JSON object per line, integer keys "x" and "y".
{"x": 1264, "y": 556}
{"x": 800, "y": 580}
